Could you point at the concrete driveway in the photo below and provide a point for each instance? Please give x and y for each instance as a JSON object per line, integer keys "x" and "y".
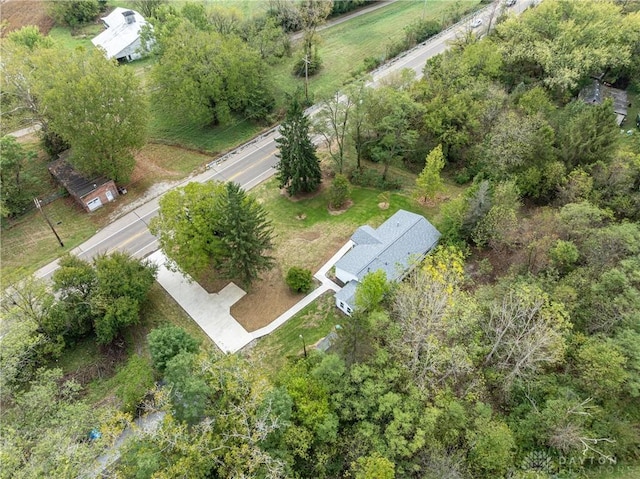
{"x": 212, "y": 312}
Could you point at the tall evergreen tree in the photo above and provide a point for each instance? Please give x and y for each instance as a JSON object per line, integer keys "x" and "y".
{"x": 429, "y": 182}
{"x": 245, "y": 235}
{"x": 299, "y": 167}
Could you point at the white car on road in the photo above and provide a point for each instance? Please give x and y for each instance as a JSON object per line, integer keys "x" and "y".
{"x": 476, "y": 23}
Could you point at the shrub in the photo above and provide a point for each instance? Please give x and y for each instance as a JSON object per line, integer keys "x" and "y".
{"x": 421, "y": 30}
{"x": 371, "y": 63}
{"x": 167, "y": 342}
{"x": 299, "y": 280}
{"x": 370, "y": 177}
{"x": 340, "y": 191}
{"x": 136, "y": 379}
{"x": 315, "y": 64}
{"x": 74, "y": 13}
{"x": 564, "y": 255}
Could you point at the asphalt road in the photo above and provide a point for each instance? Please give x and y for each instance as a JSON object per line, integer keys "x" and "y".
{"x": 252, "y": 163}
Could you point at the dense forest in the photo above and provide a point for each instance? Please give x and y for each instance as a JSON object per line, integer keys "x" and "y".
{"x": 513, "y": 350}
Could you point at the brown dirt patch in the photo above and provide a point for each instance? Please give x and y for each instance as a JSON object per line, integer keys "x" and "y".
{"x": 270, "y": 297}
{"x": 20, "y": 13}
{"x": 309, "y": 235}
{"x": 267, "y": 299}
{"x": 339, "y": 211}
{"x": 148, "y": 165}
{"x": 383, "y": 206}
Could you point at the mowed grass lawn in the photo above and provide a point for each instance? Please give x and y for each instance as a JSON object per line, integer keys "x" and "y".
{"x": 307, "y": 235}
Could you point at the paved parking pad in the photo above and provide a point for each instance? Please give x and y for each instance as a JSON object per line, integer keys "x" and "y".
{"x": 211, "y": 311}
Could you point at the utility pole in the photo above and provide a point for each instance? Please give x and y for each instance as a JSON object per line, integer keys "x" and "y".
{"x": 39, "y": 206}
{"x": 304, "y": 346}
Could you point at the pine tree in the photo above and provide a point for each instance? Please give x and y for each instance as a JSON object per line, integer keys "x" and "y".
{"x": 429, "y": 182}
{"x": 299, "y": 167}
{"x": 245, "y": 235}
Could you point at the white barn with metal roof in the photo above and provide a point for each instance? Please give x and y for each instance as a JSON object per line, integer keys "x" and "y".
{"x": 121, "y": 40}
{"x": 394, "y": 247}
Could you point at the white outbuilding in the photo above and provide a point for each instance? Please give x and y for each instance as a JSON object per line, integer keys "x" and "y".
{"x": 121, "y": 39}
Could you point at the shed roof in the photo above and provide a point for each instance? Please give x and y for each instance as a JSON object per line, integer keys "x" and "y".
{"x": 597, "y": 93}
{"x": 75, "y": 183}
{"x": 119, "y": 33}
{"x": 403, "y": 238}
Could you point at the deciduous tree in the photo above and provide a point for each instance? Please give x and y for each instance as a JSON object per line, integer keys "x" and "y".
{"x": 205, "y": 77}
{"x": 524, "y": 332}
{"x": 340, "y": 191}
{"x": 167, "y": 342}
{"x": 185, "y": 225}
{"x": 98, "y": 108}
{"x": 215, "y": 225}
{"x": 15, "y": 182}
{"x": 122, "y": 285}
{"x": 563, "y": 42}
{"x": 332, "y": 122}
{"x": 148, "y": 8}
{"x": 74, "y": 13}
{"x": 391, "y": 119}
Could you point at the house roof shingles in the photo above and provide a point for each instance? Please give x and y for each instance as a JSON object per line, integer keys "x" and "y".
{"x": 119, "y": 34}
{"x": 401, "y": 239}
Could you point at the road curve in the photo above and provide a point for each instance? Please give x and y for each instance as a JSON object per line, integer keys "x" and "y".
{"x": 251, "y": 163}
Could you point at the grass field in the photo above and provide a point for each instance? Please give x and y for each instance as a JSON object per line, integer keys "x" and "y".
{"x": 82, "y": 38}
{"x": 343, "y": 49}
{"x": 31, "y": 244}
{"x": 308, "y": 234}
{"x": 314, "y": 323}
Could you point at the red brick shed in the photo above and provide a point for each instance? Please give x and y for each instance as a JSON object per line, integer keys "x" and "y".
{"x": 91, "y": 193}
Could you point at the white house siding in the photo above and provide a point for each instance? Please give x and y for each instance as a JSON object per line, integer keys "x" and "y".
{"x": 132, "y": 52}
{"x": 344, "y": 307}
{"x": 344, "y": 276}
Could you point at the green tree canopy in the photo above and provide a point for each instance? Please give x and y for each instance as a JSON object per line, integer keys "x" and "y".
{"x": 245, "y": 235}
{"x": 563, "y": 42}
{"x": 74, "y": 13}
{"x": 429, "y": 182}
{"x": 215, "y": 225}
{"x": 205, "y": 77}
{"x": 95, "y": 106}
{"x": 15, "y": 182}
{"x": 167, "y": 342}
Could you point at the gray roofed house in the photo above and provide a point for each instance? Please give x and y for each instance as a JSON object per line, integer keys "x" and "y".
{"x": 597, "y": 93}
{"x": 121, "y": 40}
{"x": 394, "y": 247}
